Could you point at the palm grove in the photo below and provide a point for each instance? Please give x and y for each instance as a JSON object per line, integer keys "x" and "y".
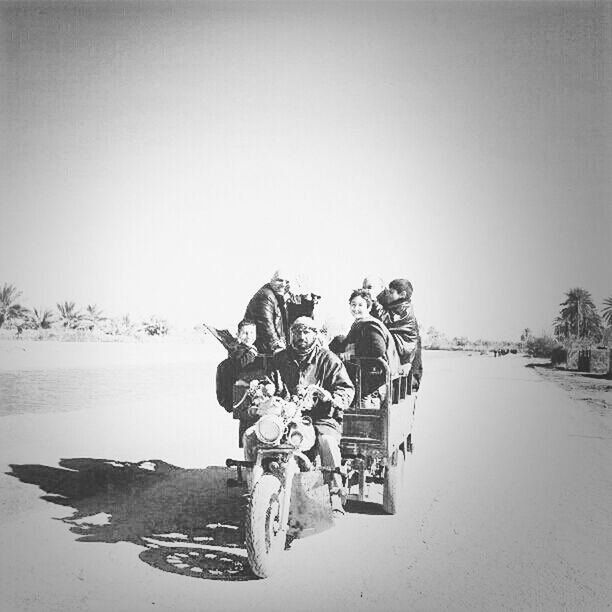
{"x": 578, "y": 320}
{"x": 67, "y": 316}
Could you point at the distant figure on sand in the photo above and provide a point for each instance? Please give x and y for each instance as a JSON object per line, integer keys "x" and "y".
{"x": 268, "y": 310}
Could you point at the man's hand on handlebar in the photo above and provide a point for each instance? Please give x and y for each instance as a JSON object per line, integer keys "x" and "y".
{"x": 321, "y": 394}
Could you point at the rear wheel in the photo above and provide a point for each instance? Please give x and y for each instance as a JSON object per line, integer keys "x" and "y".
{"x": 393, "y": 483}
{"x": 265, "y": 536}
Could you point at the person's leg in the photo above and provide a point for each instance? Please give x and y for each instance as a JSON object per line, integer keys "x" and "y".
{"x": 249, "y": 443}
{"x": 329, "y": 450}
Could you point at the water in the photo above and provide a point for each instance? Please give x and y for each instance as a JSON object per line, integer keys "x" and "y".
{"x": 71, "y": 389}
{"x": 67, "y": 389}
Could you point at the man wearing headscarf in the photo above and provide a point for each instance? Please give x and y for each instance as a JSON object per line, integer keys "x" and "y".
{"x": 268, "y": 310}
{"x": 305, "y": 362}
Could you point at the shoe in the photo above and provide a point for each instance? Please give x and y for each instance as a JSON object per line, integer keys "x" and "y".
{"x": 336, "y": 504}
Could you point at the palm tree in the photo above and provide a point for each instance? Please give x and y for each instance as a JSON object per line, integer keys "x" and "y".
{"x": 9, "y": 307}
{"x": 69, "y": 315}
{"x": 606, "y": 311}
{"x": 93, "y": 316}
{"x": 578, "y": 317}
{"x": 40, "y": 319}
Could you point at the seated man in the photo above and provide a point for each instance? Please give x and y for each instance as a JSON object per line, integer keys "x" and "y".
{"x": 305, "y": 362}
{"x": 267, "y": 308}
{"x": 398, "y": 315}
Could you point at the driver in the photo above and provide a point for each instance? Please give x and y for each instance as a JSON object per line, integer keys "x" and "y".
{"x": 304, "y": 363}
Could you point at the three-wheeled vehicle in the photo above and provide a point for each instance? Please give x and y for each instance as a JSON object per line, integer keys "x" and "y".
{"x": 377, "y": 430}
{"x": 287, "y": 496}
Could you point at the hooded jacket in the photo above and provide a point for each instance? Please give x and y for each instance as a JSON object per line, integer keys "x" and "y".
{"x": 399, "y": 318}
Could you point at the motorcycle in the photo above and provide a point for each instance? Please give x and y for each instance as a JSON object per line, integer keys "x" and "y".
{"x": 281, "y": 436}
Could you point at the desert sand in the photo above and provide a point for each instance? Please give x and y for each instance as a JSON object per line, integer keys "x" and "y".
{"x": 112, "y": 497}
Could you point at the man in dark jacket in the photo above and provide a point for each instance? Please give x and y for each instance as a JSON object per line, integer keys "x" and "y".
{"x": 268, "y": 309}
{"x": 398, "y": 315}
{"x": 305, "y": 362}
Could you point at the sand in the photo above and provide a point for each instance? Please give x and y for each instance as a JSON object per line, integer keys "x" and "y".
{"x": 509, "y": 497}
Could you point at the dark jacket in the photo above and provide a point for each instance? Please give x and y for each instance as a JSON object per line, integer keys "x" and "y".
{"x": 240, "y": 362}
{"x": 268, "y": 311}
{"x": 321, "y": 367}
{"x": 372, "y": 340}
{"x": 300, "y": 306}
{"x": 399, "y": 318}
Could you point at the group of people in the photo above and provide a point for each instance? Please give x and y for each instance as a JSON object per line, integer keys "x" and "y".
{"x": 281, "y": 329}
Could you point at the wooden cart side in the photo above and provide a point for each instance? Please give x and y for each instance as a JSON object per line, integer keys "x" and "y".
{"x": 365, "y": 430}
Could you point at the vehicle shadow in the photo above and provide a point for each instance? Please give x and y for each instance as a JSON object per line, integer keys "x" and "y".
{"x": 354, "y": 506}
{"x": 189, "y": 520}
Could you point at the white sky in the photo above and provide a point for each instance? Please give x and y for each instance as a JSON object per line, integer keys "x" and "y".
{"x": 166, "y": 158}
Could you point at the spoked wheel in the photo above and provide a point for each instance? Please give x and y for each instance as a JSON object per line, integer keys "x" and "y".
{"x": 265, "y": 535}
{"x": 392, "y": 487}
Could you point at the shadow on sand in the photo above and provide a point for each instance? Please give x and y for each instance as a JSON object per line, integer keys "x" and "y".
{"x": 188, "y": 519}
{"x": 354, "y": 506}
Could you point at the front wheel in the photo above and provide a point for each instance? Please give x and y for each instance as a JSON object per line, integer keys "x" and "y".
{"x": 265, "y": 535}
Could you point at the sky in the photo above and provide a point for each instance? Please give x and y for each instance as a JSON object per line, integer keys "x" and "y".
{"x": 165, "y": 158}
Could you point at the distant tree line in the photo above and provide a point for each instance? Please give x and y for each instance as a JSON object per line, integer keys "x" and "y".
{"x": 579, "y": 323}
{"x": 67, "y": 316}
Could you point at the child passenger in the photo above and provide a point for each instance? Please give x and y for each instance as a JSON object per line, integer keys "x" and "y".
{"x": 241, "y": 359}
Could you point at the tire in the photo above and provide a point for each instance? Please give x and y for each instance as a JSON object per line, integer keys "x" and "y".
{"x": 392, "y": 487}
{"x": 265, "y": 536}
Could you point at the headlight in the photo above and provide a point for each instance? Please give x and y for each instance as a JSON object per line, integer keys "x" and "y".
{"x": 302, "y": 435}
{"x": 296, "y": 438}
{"x": 269, "y": 429}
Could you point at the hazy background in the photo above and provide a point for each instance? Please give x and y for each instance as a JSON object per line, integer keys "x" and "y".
{"x": 165, "y": 158}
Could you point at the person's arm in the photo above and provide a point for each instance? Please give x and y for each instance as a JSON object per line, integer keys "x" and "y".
{"x": 343, "y": 390}
{"x": 374, "y": 343}
{"x": 337, "y": 390}
{"x": 242, "y": 355}
{"x": 406, "y": 338}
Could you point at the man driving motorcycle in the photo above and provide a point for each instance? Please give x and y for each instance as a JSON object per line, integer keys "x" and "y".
{"x": 306, "y": 363}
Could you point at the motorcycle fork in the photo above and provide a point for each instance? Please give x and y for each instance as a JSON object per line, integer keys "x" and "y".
{"x": 285, "y": 475}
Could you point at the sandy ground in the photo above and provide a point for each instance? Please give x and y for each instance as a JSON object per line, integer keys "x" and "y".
{"x": 595, "y": 389}
{"x": 110, "y": 507}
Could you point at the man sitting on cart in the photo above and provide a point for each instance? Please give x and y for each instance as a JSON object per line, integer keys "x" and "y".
{"x": 305, "y": 363}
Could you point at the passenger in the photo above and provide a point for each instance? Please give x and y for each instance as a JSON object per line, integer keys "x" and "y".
{"x": 301, "y": 305}
{"x": 235, "y": 373}
{"x": 398, "y": 316}
{"x": 368, "y": 338}
{"x": 378, "y": 292}
{"x": 269, "y": 311}
{"x": 240, "y": 357}
{"x": 304, "y": 363}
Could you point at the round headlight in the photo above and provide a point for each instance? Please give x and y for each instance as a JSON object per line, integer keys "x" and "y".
{"x": 269, "y": 429}
{"x": 296, "y": 438}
